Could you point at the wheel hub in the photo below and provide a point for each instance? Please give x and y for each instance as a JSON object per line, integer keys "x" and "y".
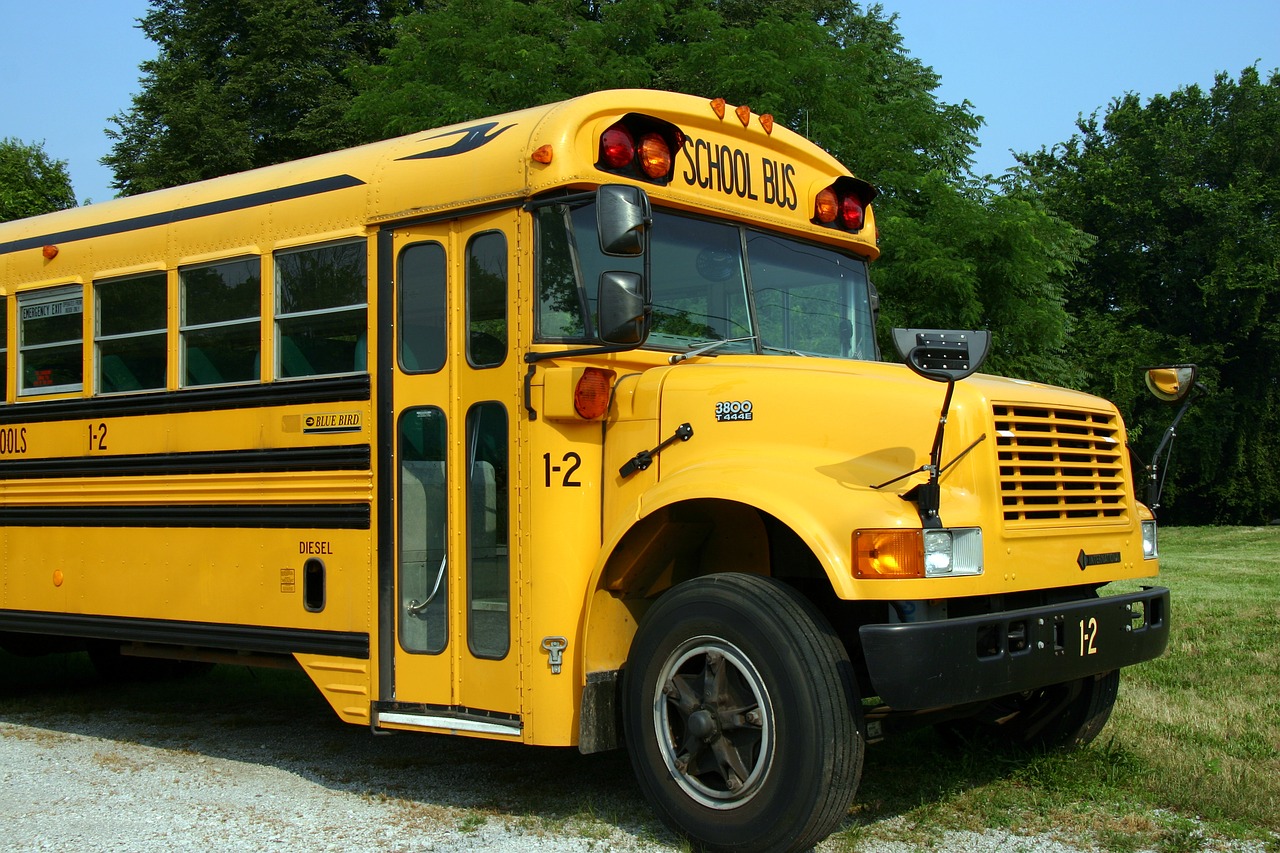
{"x": 714, "y": 722}
{"x": 702, "y": 725}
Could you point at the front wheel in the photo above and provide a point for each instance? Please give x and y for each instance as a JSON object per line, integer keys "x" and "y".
{"x": 741, "y": 716}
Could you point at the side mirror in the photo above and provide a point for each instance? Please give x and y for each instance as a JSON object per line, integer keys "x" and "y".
{"x": 943, "y": 355}
{"x": 1171, "y": 383}
{"x": 623, "y": 306}
{"x": 623, "y": 216}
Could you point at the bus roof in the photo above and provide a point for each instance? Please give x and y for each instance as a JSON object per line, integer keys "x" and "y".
{"x": 730, "y": 164}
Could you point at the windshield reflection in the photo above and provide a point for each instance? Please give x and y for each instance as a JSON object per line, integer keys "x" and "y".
{"x": 712, "y": 281}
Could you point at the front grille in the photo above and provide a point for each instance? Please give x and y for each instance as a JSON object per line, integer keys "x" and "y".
{"x": 1059, "y": 465}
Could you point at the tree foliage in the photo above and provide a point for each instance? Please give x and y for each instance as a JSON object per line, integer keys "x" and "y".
{"x": 957, "y": 253}
{"x": 238, "y": 84}
{"x": 31, "y": 182}
{"x": 1182, "y": 193}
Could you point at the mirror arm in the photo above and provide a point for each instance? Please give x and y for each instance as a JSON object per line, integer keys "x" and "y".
{"x": 1153, "y": 486}
{"x": 535, "y": 357}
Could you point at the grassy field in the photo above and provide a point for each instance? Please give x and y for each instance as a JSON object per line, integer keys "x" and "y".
{"x": 1191, "y": 755}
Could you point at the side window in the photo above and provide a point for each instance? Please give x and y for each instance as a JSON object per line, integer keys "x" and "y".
{"x": 220, "y": 324}
{"x": 424, "y": 534}
{"x": 321, "y": 311}
{"x": 487, "y": 299}
{"x": 423, "y": 286}
{"x": 51, "y": 341}
{"x": 563, "y": 312}
{"x": 4, "y": 350}
{"x": 488, "y": 563}
{"x": 132, "y": 338}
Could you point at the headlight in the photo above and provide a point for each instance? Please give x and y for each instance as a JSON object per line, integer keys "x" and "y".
{"x": 894, "y": 553}
{"x": 954, "y": 551}
{"x": 1150, "y": 545}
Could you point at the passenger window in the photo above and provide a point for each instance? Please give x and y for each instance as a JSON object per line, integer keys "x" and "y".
{"x": 487, "y": 300}
{"x": 220, "y": 326}
{"x": 4, "y": 350}
{"x": 423, "y": 285}
{"x": 489, "y": 584}
{"x": 133, "y": 337}
{"x": 321, "y": 311}
{"x": 51, "y": 341}
{"x": 424, "y": 533}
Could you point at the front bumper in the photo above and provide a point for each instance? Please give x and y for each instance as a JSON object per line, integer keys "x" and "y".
{"x": 937, "y": 664}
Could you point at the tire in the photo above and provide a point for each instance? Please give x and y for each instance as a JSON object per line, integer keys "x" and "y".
{"x": 741, "y": 716}
{"x": 1061, "y": 716}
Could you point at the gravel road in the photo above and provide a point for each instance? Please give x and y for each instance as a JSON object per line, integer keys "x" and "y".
{"x": 239, "y": 760}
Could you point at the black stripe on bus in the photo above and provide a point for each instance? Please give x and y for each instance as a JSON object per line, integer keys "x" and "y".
{"x": 338, "y": 389}
{"x": 385, "y": 417}
{"x": 246, "y": 638}
{"x": 353, "y": 516}
{"x": 349, "y": 457}
{"x": 184, "y": 214}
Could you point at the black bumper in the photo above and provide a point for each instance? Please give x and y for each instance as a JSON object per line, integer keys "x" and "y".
{"x": 921, "y": 665}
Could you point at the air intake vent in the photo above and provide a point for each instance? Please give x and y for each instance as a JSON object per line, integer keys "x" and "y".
{"x": 1059, "y": 466}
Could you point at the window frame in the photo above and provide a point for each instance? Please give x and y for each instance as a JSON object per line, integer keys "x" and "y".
{"x": 62, "y": 293}
{"x": 471, "y": 293}
{"x": 161, "y": 332}
{"x": 425, "y": 295}
{"x": 185, "y": 327}
{"x": 278, "y": 316}
{"x": 4, "y": 349}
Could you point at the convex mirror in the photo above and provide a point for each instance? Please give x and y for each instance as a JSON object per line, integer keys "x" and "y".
{"x": 1171, "y": 382}
{"x": 622, "y": 218}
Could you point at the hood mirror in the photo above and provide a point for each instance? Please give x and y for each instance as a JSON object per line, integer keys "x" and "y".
{"x": 1171, "y": 383}
{"x": 623, "y": 217}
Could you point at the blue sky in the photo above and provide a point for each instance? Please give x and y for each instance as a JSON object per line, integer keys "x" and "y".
{"x": 1029, "y": 67}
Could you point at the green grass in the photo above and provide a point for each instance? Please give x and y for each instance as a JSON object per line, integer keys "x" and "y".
{"x": 1191, "y": 754}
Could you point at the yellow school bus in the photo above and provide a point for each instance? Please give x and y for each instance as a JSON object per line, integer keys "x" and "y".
{"x": 564, "y": 427}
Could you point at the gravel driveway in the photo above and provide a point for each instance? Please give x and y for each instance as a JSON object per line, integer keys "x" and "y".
{"x": 241, "y": 760}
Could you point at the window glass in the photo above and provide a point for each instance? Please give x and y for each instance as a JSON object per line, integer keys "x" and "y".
{"x": 810, "y": 299}
{"x": 711, "y": 281}
{"x": 221, "y": 308}
{"x": 424, "y": 582}
{"x": 562, "y": 309}
{"x": 489, "y": 586}
{"x": 51, "y": 341}
{"x": 487, "y": 300}
{"x": 4, "y": 350}
{"x": 133, "y": 337}
{"x": 321, "y": 311}
{"x": 423, "y": 286}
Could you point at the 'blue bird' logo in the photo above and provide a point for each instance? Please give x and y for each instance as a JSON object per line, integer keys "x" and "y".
{"x": 472, "y": 138}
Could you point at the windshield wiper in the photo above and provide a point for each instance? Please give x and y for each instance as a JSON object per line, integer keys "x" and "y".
{"x": 706, "y": 348}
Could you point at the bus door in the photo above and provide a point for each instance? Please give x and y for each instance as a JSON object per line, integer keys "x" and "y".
{"x": 455, "y": 388}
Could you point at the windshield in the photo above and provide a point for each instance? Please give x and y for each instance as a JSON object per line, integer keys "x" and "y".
{"x": 712, "y": 281}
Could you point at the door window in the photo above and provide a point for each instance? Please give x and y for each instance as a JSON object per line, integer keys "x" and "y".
{"x": 489, "y": 586}
{"x": 487, "y": 299}
{"x": 424, "y": 504}
{"x": 423, "y": 304}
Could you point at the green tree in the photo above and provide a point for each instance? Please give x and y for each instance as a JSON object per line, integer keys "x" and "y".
{"x": 957, "y": 251}
{"x": 243, "y": 83}
{"x": 1182, "y": 194}
{"x": 31, "y": 182}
